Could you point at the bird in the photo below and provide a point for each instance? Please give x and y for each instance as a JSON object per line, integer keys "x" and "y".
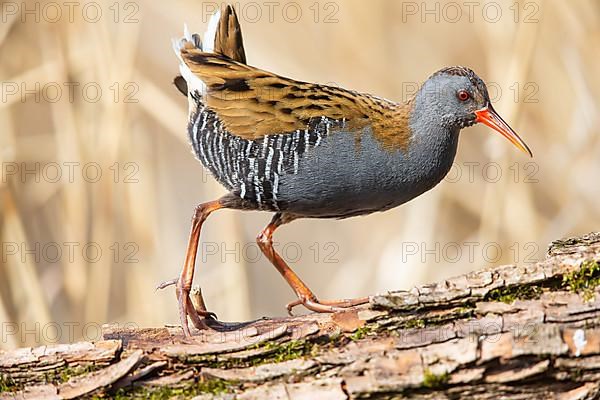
{"x": 306, "y": 150}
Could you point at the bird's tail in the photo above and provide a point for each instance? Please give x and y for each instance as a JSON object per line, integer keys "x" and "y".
{"x": 223, "y": 36}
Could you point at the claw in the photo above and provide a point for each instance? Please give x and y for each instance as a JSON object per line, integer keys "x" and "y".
{"x": 206, "y": 314}
{"x": 290, "y": 306}
{"x": 211, "y": 315}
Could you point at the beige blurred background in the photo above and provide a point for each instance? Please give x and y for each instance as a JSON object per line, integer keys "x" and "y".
{"x": 81, "y": 249}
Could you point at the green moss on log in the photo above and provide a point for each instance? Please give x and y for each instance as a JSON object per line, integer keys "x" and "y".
{"x": 433, "y": 381}
{"x": 62, "y": 375}
{"x": 509, "y": 294}
{"x": 584, "y": 280}
{"x": 209, "y": 386}
{"x": 7, "y": 384}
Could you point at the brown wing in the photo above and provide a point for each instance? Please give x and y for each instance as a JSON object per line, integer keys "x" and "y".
{"x": 253, "y": 103}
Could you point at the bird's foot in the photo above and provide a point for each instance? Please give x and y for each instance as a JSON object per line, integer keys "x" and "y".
{"x": 325, "y": 306}
{"x": 197, "y": 312}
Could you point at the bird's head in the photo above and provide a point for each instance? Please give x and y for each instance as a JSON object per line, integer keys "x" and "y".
{"x": 457, "y": 98}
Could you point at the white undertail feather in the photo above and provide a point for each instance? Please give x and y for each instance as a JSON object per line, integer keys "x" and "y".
{"x": 211, "y": 32}
{"x": 194, "y": 83}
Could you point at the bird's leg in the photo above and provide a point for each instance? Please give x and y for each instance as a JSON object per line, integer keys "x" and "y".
{"x": 305, "y": 296}
{"x": 183, "y": 285}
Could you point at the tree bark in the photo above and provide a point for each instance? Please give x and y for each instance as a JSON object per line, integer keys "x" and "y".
{"x": 530, "y": 331}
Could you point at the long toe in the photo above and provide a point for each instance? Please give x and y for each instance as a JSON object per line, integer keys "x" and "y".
{"x": 166, "y": 284}
{"x": 326, "y": 306}
{"x": 316, "y": 306}
{"x": 345, "y": 303}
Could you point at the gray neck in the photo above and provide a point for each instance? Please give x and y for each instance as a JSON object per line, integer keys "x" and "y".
{"x": 432, "y": 148}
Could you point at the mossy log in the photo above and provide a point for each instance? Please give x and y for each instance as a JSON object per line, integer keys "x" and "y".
{"x": 530, "y": 331}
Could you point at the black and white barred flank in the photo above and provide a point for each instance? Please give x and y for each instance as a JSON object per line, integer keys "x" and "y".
{"x": 252, "y": 169}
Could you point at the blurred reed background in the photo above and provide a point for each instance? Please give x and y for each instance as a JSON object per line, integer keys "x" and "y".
{"x": 80, "y": 250}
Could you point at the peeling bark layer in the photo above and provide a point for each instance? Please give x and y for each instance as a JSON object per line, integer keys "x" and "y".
{"x": 530, "y": 331}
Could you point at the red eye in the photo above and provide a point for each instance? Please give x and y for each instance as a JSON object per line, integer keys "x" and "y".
{"x": 463, "y": 95}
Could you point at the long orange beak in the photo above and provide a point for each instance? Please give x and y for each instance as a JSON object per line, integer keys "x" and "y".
{"x": 490, "y": 117}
